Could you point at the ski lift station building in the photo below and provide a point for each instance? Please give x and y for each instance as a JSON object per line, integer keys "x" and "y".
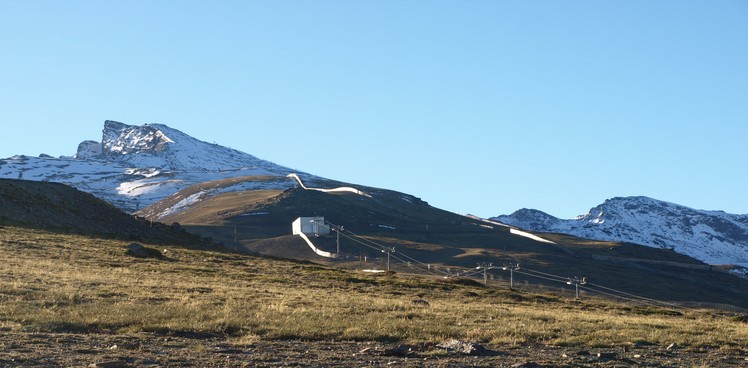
{"x": 310, "y": 226}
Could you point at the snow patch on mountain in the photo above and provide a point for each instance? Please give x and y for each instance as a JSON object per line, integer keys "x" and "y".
{"x": 183, "y": 204}
{"x": 525, "y": 234}
{"x": 512, "y": 229}
{"x": 714, "y": 237}
{"x": 331, "y": 190}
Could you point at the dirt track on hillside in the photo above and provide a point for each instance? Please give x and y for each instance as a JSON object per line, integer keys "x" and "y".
{"x": 150, "y": 350}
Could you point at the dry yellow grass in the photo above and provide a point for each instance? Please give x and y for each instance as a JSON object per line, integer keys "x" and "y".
{"x": 51, "y": 282}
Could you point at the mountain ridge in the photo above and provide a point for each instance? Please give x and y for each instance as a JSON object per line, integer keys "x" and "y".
{"x": 715, "y": 237}
{"x": 135, "y": 166}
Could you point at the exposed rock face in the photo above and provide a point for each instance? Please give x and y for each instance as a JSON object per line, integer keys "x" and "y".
{"x": 122, "y": 139}
{"x": 88, "y": 149}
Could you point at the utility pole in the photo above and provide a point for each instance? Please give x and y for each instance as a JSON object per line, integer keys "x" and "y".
{"x": 388, "y": 250}
{"x": 485, "y": 267}
{"x": 576, "y": 282}
{"x": 337, "y": 229}
{"x": 511, "y": 267}
{"x": 330, "y": 225}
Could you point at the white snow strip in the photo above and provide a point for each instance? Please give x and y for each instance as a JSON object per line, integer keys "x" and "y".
{"x": 530, "y": 236}
{"x": 512, "y": 230}
{"x": 317, "y": 250}
{"x": 339, "y": 189}
{"x": 185, "y": 203}
{"x": 143, "y": 172}
{"x": 137, "y": 188}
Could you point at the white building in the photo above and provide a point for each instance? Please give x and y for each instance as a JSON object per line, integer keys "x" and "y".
{"x": 310, "y": 226}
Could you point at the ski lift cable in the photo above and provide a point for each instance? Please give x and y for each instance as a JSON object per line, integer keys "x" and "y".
{"x": 381, "y": 248}
{"x": 633, "y": 300}
{"x": 522, "y": 272}
{"x": 561, "y": 278}
{"x": 378, "y": 246}
{"x": 525, "y": 271}
{"x": 589, "y": 285}
{"x": 639, "y": 297}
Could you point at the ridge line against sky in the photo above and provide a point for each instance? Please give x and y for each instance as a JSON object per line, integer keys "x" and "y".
{"x": 479, "y": 107}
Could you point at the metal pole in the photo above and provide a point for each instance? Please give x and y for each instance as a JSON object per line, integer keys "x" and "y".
{"x": 511, "y": 267}
{"x": 511, "y": 279}
{"x": 576, "y": 281}
{"x": 337, "y": 241}
{"x": 485, "y": 276}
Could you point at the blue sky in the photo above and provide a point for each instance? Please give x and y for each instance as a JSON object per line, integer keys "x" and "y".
{"x": 480, "y": 107}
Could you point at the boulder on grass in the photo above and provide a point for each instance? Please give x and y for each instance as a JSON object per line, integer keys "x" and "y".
{"x": 140, "y": 251}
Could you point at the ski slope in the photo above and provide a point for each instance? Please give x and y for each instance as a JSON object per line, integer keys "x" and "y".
{"x": 338, "y": 189}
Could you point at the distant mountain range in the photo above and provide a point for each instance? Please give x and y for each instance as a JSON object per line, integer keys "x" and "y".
{"x": 714, "y": 237}
{"x": 135, "y": 166}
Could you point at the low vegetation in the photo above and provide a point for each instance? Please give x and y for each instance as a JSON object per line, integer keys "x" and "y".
{"x": 71, "y": 283}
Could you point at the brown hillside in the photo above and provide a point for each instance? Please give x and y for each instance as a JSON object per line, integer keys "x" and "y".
{"x": 261, "y": 222}
{"x": 214, "y": 205}
{"x": 58, "y": 207}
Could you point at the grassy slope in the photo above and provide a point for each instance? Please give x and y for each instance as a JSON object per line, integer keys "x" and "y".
{"x": 71, "y": 283}
{"x": 213, "y": 208}
{"x": 443, "y": 238}
{"x": 60, "y": 208}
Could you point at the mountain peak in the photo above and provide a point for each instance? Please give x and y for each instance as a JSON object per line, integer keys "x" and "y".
{"x": 534, "y": 218}
{"x": 616, "y": 208}
{"x": 136, "y": 165}
{"x": 167, "y": 149}
{"x": 122, "y": 139}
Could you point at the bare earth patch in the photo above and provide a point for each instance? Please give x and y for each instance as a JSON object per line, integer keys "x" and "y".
{"x": 151, "y": 350}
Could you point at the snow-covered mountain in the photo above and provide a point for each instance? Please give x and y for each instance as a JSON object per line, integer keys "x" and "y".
{"x": 135, "y": 166}
{"x": 714, "y": 237}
